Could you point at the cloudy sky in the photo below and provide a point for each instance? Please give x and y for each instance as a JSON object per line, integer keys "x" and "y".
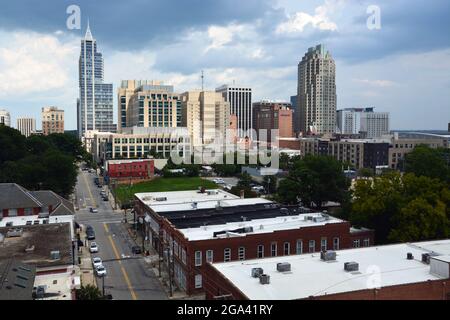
{"x": 402, "y": 68}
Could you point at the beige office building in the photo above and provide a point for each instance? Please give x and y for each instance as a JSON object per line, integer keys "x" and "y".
{"x": 52, "y": 120}
{"x": 26, "y": 126}
{"x": 148, "y": 103}
{"x": 5, "y": 118}
{"x": 206, "y": 116}
{"x": 317, "y": 97}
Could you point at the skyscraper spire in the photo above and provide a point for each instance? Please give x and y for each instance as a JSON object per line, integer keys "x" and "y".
{"x": 88, "y": 35}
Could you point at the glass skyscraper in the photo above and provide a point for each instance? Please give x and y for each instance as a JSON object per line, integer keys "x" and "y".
{"x": 95, "y": 106}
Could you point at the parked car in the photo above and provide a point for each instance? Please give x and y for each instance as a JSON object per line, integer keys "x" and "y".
{"x": 258, "y": 188}
{"x": 93, "y": 248}
{"x": 136, "y": 250}
{"x": 100, "y": 271}
{"x": 93, "y": 210}
{"x": 105, "y": 198}
{"x": 90, "y": 234}
{"x": 96, "y": 262}
{"x": 218, "y": 181}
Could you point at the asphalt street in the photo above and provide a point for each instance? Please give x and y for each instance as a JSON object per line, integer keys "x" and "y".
{"x": 128, "y": 277}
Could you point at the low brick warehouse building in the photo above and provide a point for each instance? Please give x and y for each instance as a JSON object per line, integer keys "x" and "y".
{"x": 196, "y": 228}
{"x": 134, "y": 169}
{"x": 418, "y": 271}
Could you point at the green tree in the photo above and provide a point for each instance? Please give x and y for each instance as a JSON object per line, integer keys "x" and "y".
{"x": 315, "y": 180}
{"x": 402, "y": 208}
{"x": 88, "y": 292}
{"x": 365, "y": 172}
{"x": 12, "y": 144}
{"x": 428, "y": 162}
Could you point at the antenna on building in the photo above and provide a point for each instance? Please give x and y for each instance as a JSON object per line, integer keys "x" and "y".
{"x": 203, "y": 80}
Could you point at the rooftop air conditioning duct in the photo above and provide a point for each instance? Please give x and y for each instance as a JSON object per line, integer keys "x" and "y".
{"x": 264, "y": 279}
{"x": 283, "y": 267}
{"x": 351, "y": 266}
{"x": 328, "y": 255}
{"x": 257, "y": 272}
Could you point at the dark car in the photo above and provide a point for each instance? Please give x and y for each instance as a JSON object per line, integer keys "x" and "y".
{"x": 90, "y": 234}
{"x": 136, "y": 250}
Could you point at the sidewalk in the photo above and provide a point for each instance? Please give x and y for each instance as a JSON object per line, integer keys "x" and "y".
{"x": 87, "y": 272}
{"x": 152, "y": 262}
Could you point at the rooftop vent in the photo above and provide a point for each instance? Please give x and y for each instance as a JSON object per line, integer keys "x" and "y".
{"x": 264, "y": 279}
{"x": 351, "y": 266}
{"x": 14, "y": 233}
{"x": 29, "y": 248}
{"x": 212, "y": 192}
{"x": 194, "y": 205}
{"x": 426, "y": 257}
{"x": 257, "y": 272}
{"x": 283, "y": 267}
{"x": 409, "y": 256}
{"x": 328, "y": 255}
{"x": 160, "y": 199}
{"x": 55, "y": 255}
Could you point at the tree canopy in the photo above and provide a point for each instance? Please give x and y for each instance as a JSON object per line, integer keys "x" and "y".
{"x": 40, "y": 162}
{"x": 402, "y": 208}
{"x": 428, "y": 162}
{"x": 314, "y": 180}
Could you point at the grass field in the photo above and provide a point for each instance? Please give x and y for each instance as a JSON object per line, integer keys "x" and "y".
{"x": 125, "y": 193}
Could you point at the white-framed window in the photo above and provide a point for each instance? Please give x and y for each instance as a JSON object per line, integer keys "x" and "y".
{"x": 260, "y": 251}
{"x": 366, "y": 242}
{"x": 241, "y": 253}
{"x": 198, "y": 281}
{"x": 12, "y": 213}
{"x": 273, "y": 249}
{"x": 175, "y": 244}
{"x": 287, "y": 248}
{"x": 209, "y": 256}
{"x": 198, "y": 258}
{"x": 336, "y": 243}
{"x": 183, "y": 255}
{"x": 323, "y": 244}
{"x": 227, "y": 254}
{"x": 356, "y": 243}
{"x": 299, "y": 247}
{"x": 28, "y": 211}
{"x": 312, "y": 246}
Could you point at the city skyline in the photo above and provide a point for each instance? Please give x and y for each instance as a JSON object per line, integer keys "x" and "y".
{"x": 380, "y": 68}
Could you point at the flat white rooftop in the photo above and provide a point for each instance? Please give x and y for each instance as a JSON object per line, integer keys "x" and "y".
{"x": 184, "y": 200}
{"x": 378, "y": 267}
{"x": 23, "y": 220}
{"x": 259, "y": 226}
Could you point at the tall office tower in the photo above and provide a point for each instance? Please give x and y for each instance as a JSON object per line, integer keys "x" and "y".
{"x": 363, "y": 121}
{"x": 5, "y": 118}
{"x": 95, "y": 109}
{"x": 206, "y": 115}
{"x": 52, "y": 120}
{"x": 151, "y": 104}
{"x": 271, "y": 115}
{"x": 317, "y": 92}
{"x": 240, "y": 100}
{"x": 374, "y": 124}
{"x": 26, "y": 126}
{"x": 295, "y": 114}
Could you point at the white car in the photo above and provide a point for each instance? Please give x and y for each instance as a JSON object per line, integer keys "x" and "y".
{"x": 101, "y": 271}
{"x": 93, "y": 248}
{"x": 97, "y": 262}
{"x": 219, "y": 181}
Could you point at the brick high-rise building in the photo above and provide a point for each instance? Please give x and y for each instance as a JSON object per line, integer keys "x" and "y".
{"x": 270, "y": 115}
{"x": 317, "y": 97}
{"x": 52, "y": 120}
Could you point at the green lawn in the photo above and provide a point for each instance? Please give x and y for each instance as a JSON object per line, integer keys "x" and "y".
{"x": 125, "y": 193}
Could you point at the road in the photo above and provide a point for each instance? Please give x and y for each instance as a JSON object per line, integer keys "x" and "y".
{"x": 128, "y": 277}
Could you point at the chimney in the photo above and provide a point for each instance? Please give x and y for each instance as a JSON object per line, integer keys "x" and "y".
{"x": 242, "y": 194}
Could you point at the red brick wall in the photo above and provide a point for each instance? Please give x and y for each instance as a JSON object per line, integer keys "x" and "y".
{"x": 143, "y": 168}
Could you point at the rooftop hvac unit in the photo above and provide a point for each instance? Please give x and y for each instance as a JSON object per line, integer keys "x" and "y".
{"x": 283, "y": 267}
{"x": 351, "y": 266}
{"x": 328, "y": 255}
{"x": 14, "y": 233}
{"x": 426, "y": 257}
{"x": 264, "y": 279}
{"x": 284, "y": 211}
{"x": 55, "y": 255}
{"x": 257, "y": 272}
{"x": 212, "y": 192}
{"x": 160, "y": 199}
{"x": 409, "y": 256}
